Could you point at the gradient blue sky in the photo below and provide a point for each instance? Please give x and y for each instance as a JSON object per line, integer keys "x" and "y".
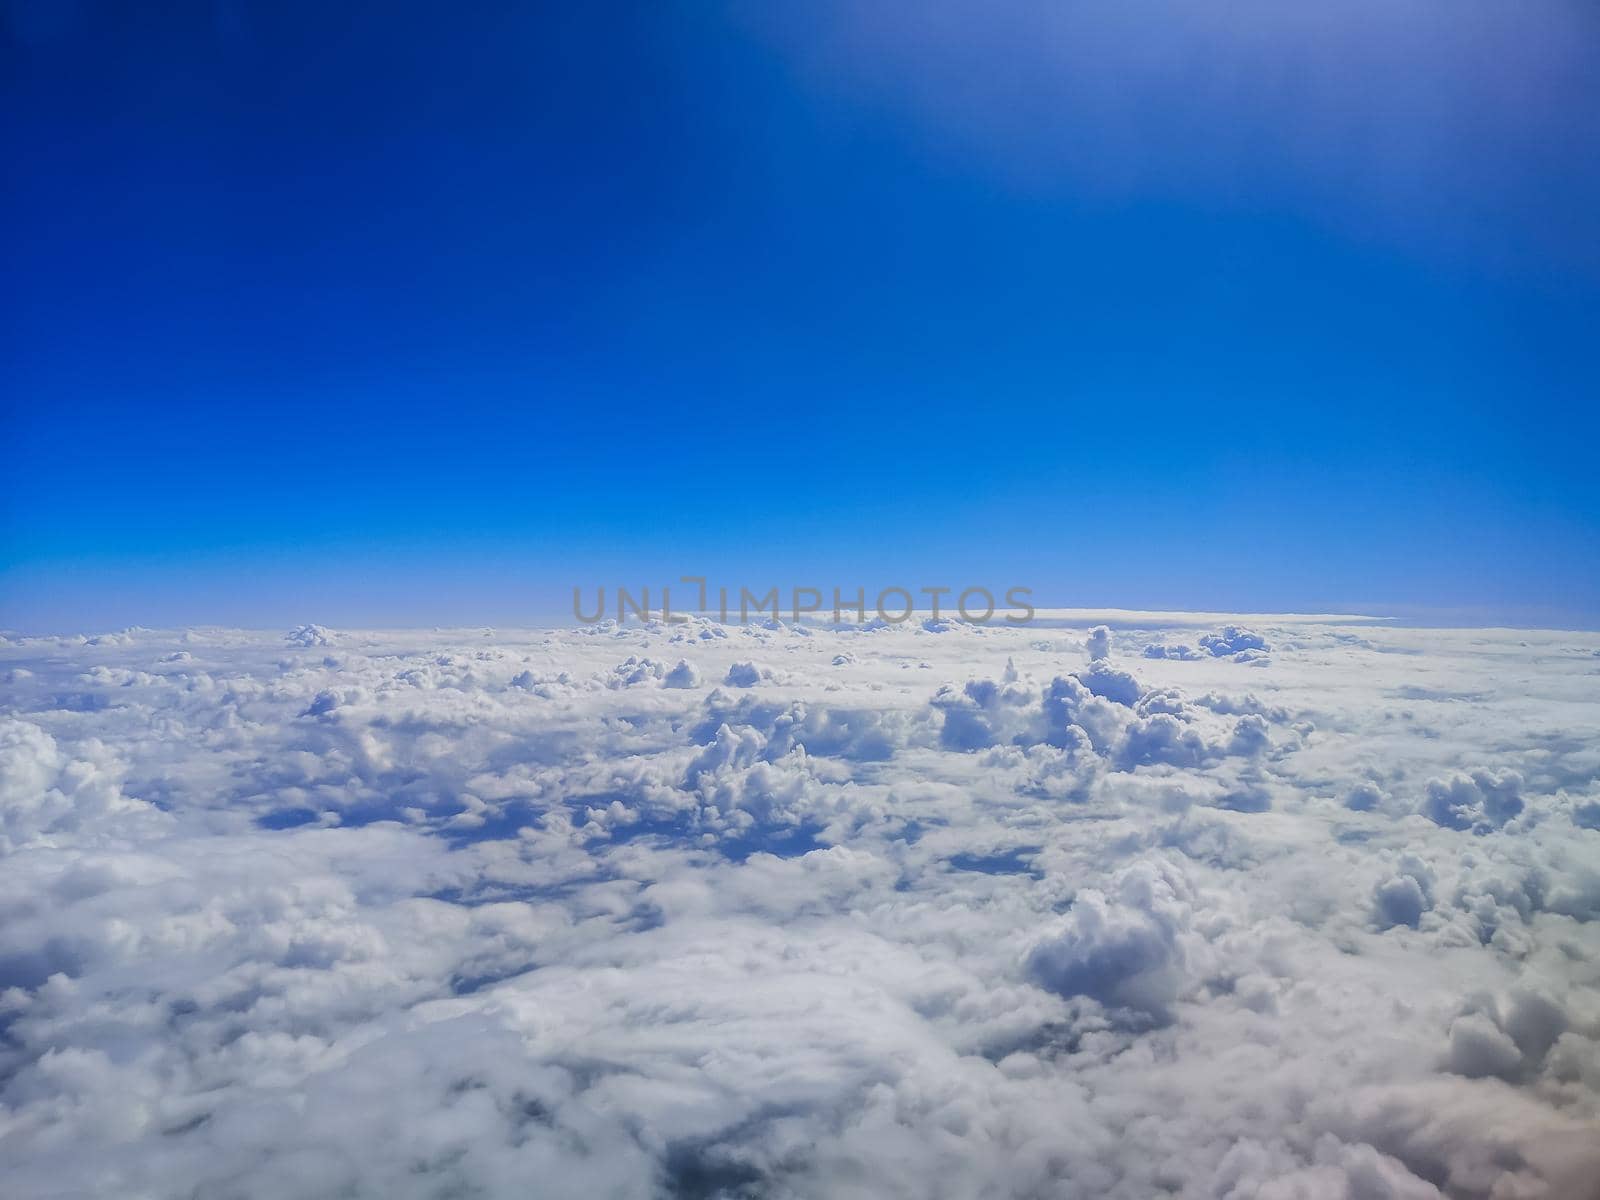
{"x": 395, "y": 313}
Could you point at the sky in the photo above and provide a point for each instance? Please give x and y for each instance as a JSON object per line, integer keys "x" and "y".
{"x": 408, "y": 314}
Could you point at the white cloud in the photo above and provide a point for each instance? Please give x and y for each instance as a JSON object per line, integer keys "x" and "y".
{"x": 1123, "y": 946}
{"x": 902, "y": 912}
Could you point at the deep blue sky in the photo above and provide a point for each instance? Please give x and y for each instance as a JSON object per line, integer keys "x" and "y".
{"x": 400, "y": 313}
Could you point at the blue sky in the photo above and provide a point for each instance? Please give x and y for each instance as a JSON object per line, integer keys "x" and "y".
{"x": 425, "y": 314}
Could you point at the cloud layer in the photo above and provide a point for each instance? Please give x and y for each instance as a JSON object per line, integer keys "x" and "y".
{"x": 1265, "y": 909}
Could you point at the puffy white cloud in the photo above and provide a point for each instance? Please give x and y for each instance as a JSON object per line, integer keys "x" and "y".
{"x": 1232, "y": 640}
{"x": 1364, "y": 797}
{"x": 682, "y": 675}
{"x": 900, "y": 911}
{"x": 1122, "y": 946}
{"x": 1402, "y": 897}
{"x": 1177, "y": 650}
{"x": 1480, "y": 801}
{"x": 48, "y": 795}
{"x": 1099, "y": 642}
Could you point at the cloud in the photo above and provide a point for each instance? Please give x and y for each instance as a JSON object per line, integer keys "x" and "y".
{"x": 1480, "y": 801}
{"x": 1177, "y": 650}
{"x": 742, "y": 674}
{"x": 914, "y": 913}
{"x": 1099, "y": 642}
{"x": 47, "y": 793}
{"x": 1402, "y": 898}
{"x": 1122, "y": 946}
{"x": 682, "y": 675}
{"x": 1235, "y": 641}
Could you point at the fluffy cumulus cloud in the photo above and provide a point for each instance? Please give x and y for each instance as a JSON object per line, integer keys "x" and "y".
{"x": 1292, "y": 908}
